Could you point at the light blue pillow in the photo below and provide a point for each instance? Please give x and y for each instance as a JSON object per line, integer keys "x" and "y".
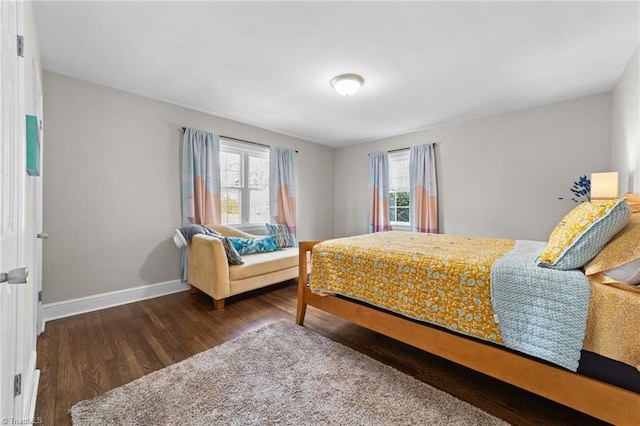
{"x": 282, "y": 234}
{"x": 250, "y": 246}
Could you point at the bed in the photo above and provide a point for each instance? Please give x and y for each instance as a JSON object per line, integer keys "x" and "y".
{"x": 392, "y": 283}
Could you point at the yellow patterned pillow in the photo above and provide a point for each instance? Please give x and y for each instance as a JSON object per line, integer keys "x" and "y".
{"x": 583, "y": 232}
{"x": 622, "y": 249}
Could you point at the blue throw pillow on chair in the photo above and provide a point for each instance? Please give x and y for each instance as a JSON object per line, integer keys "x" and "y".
{"x": 249, "y": 246}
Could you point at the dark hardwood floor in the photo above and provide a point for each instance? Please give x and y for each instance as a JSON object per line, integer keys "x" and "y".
{"x": 86, "y": 355}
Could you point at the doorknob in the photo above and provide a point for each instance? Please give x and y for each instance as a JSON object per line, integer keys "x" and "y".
{"x": 15, "y": 276}
{"x": 42, "y": 235}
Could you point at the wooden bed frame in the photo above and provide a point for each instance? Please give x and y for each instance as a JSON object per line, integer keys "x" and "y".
{"x": 598, "y": 399}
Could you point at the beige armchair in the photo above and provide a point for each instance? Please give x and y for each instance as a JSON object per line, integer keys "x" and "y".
{"x": 209, "y": 271}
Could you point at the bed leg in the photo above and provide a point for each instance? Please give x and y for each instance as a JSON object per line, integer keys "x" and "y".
{"x": 301, "y": 311}
{"x": 303, "y": 248}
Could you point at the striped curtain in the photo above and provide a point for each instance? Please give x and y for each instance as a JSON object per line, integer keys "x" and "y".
{"x": 200, "y": 181}
{"x": 282, "y": 187}
{"x": 423, "y": 192}
{"x": 379, "y": 192}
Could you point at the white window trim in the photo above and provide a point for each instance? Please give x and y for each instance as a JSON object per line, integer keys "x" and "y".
{"x": 398, "y": 156}
{"x": 252, "y": 228}
{"x": 227, "y": 145}
{"x": 400, "y": 226}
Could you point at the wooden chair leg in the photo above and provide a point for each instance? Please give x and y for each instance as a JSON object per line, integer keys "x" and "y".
{"x": 218, "y": 304}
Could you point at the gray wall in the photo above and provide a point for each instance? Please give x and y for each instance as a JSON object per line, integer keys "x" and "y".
{"x": 499, "y": 176}
{"x": 112, "y": 186}
{"x": 625, "y": 129}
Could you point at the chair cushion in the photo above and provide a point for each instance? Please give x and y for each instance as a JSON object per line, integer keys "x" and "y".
{"x": 264, "y": 263}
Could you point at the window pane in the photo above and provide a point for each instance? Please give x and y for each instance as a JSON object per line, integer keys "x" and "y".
{"x": 403, "y": 182}
{"x": 403, "y": 214}
{"x": 393, "y": 183}
{"x": 231, "y": 169}
{"x": 399, "y": 175}
{"x": 259, "y": 206}
{"x": 231, "y": 205}
{"x": 258, "y": 172}
{"x": 402, "y": 199}
{"x": 399, "y": 187}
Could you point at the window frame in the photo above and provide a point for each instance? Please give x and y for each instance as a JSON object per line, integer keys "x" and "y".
{"x": 400, "y": 155}
{"x": 246, "y": 151}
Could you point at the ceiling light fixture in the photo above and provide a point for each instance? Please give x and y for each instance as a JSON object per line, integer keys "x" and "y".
{"x": 347, "y": 84}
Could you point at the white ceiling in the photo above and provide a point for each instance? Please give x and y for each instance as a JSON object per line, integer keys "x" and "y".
{"x": 269, "y": 63}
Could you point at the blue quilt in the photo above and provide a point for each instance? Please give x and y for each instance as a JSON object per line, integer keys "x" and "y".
{"x": 540, "y": 311}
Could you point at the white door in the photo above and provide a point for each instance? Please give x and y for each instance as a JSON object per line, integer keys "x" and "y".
{"x": 12, "y": 164}
{"x": 35, "y": 271}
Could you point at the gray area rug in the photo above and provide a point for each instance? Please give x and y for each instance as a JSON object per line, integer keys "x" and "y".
{"x": 280, "y": 374}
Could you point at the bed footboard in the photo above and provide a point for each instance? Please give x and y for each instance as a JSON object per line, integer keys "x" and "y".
{"x": 604, "y": 401}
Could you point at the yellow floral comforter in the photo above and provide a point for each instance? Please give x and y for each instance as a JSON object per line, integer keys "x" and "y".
{"x": 613, "y": 324}
{"x": 441, "y": 279}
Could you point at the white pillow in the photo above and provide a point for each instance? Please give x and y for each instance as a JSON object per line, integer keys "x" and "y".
{"x": 629, "y": 273}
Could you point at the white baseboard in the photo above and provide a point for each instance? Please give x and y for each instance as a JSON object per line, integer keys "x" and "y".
{"x": 68, "y": 308}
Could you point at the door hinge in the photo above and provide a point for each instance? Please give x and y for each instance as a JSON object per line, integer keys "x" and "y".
{"x": 21, "y": 46}
{"x": 40, "y": 296}
{"x": 17, "y": 385}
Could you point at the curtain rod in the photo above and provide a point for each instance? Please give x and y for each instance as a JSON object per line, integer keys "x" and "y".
{"x": 241, "y": 140}
{"x": 399, "y": 149}
{"x": 403, "y": 149}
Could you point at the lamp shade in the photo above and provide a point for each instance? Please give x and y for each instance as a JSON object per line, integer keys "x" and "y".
{"x": 604, "y": 186}
{"x": 347, "y": 84}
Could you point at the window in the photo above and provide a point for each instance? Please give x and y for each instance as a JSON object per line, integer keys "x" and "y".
{"x": 399, "y": 187}
{"x": 244, "y": 174}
